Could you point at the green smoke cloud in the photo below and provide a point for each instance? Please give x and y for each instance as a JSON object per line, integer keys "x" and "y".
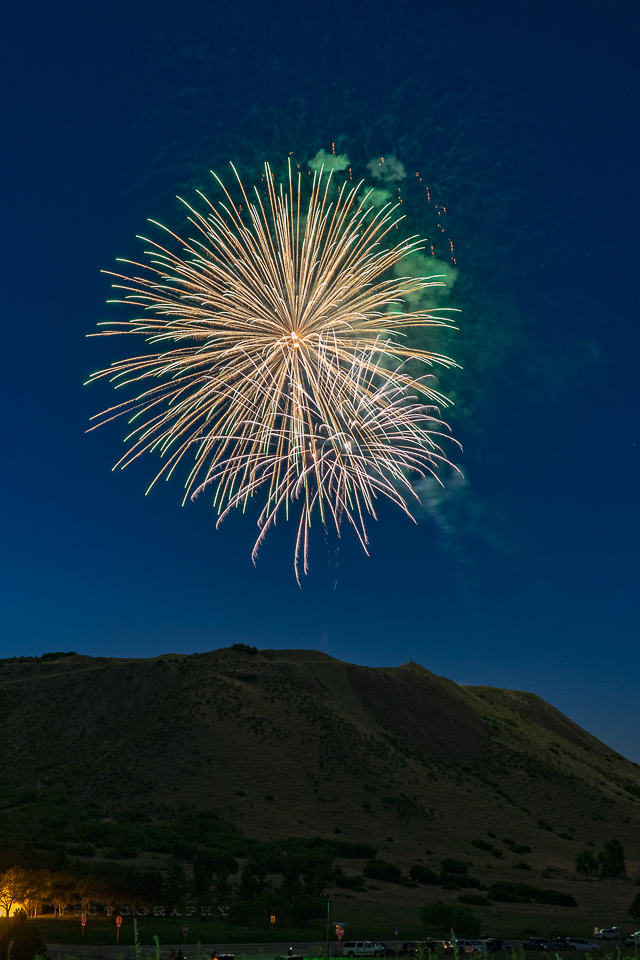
{"x": 330, "y": 161}
{"x": 387, "y": 169}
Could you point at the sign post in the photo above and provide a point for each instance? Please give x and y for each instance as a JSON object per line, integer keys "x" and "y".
{"x": 339, "y": 934}
{"x": 118, "y": 925}
{"x": 185, "y": 931}
{"x": 273, "y": 920}
{"x": 328, "y": 912}
{"x": 83, "y": 921}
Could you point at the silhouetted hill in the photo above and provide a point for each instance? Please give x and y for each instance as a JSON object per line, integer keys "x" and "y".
{"x": 277, "y": 743}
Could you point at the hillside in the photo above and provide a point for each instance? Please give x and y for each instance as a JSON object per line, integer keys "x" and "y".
{"x": 280, "y": 743}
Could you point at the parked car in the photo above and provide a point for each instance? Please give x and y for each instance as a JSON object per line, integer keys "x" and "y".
{"x": 608, "y": 933}
{"x": 363, "y": 948}
{"x": 538, "y": 943}
{"x": 466, "y": 946}
{"x": 633, "y": 940}
{"x": 560, "y": 943}
{"x": 494, "y": 945}
{"x": 579, "y": 943}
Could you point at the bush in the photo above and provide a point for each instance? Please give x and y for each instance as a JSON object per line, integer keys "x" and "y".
{"x": 81, "y": 850}
{"x": 353, "y": 850}
{"x": 634, "y": 909}
{"x": 611, "y": 859}
{"x": 586, "y": 863}
{"x": 381, "y": 870}
{"x": 24, "y": 937}
{"x": 504, "y": 892}
{"x": 555, "y": 898}
{"x": 475, "y": 900}
{"x": 424, "y": 875}
{"x": 482, "y": 844}
{"x": 445, "y": 917}
{"x": 181, "y": 850}
{"x": 304, "y": 909}
{"x": 521, "y": 865}
{"x": 347, "y": 883}
{"x": 450, "y": 867}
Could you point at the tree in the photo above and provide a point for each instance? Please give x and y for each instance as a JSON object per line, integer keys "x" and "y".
{"x": 61, "y": 890}
{"x": 447, "y": 917}
{"x": 611, "y": 859}
{"x": 586, "y": 863}
{"x": 634, "y": 909}
{"x": 13, "y": 888}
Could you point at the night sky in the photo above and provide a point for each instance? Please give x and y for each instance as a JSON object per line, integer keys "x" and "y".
{"x": 523, "y": 117}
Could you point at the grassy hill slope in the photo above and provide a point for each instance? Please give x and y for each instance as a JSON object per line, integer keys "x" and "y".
{"x": 116, "y": 752}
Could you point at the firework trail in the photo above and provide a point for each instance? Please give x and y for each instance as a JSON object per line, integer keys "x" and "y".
{"x": 280, "y": 365}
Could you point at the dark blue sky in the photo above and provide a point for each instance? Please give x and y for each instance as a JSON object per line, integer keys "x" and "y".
{"x": 526, "y": 116}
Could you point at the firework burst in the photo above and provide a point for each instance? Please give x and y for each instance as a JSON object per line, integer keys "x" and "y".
{"x": 279, "y": 366}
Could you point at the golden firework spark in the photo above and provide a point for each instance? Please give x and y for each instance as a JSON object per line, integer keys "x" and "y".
{"x": 282, "y": 369}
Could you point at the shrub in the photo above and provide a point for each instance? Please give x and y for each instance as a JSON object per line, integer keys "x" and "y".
{"x": 521, "y": 865}
{"x": 556, "y": 898}
{"x": 634, "y": 909}
{"x": 611, "y": 859}
{"x": 24, "y": 937}
{"x": 347, "y": 883}
{"x": 504, "y": 892}
{"x": 81, "y": 850}
{"x": 482, "y": 844}
{"x": 353, "y": 850}
{"x": 586, "y": 863}
{"x": 450, "y": 867}
{"x": 181, "y": 850}
{"x": 243, "y": 648}
{"x": 424, "y": 875}
{"x": 445, "y": 917}
{"x": 381, "y": 870}
{"x": 475, "y": 900}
